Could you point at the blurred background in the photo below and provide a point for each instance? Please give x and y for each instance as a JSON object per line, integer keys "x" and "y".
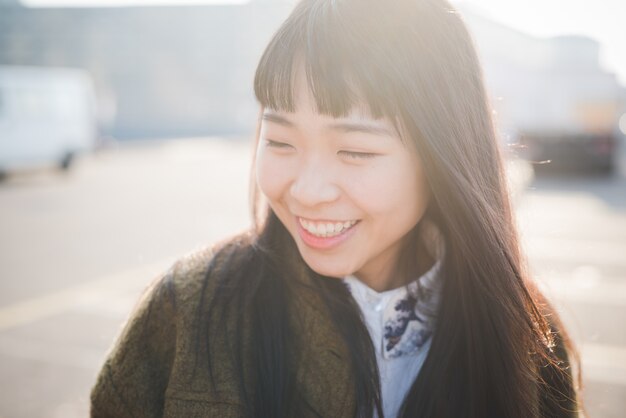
{"x": 125, "y": 143}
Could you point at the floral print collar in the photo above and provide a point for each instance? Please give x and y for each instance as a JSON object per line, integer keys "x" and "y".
{"x": 407, "y": 312}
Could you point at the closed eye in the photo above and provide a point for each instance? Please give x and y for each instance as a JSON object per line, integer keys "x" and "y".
{"x": 359, "y": 155}
{"x": 276, "y": 144}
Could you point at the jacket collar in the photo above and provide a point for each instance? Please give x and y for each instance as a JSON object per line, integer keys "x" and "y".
{"x": 324, "y": 370}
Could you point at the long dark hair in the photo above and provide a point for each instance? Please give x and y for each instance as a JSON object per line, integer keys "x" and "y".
{"x": 492, "y": 353}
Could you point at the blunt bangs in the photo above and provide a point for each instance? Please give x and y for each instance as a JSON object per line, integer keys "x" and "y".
{"x": 343, "y": 70}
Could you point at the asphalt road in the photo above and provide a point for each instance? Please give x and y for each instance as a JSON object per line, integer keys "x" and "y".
{"x": 77, "y": 248}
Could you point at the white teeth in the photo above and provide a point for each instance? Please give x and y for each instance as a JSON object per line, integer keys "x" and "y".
{"x": 325, "y": 229}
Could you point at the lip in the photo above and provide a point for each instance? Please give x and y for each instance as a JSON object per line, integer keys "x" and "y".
{"x": 324, "y": 243}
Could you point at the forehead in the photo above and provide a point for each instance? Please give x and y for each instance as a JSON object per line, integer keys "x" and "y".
{"x": 305, "y": 103}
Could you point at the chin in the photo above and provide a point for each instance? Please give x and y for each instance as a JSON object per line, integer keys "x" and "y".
{"x": 327, "y": 269}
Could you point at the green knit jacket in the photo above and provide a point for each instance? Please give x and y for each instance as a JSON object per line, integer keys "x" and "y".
{"x": 158, "y": 366}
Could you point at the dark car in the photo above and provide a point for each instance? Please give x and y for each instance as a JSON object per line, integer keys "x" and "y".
{"x": 570, "y": 151}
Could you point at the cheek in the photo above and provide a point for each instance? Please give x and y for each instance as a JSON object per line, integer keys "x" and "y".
{"x": 271, "y": 175}
{"x": 413, "y": 196}
{"x": 391, "y": 189}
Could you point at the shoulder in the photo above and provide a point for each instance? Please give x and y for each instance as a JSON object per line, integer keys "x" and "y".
{"x": 169, "y": 304}
{"x": 160, "y": 331}
{"x": 235, "y": 246}
{"x": 201, "y": 268}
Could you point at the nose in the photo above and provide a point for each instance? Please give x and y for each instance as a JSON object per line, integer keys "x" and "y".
{"x": 314, "y": 184}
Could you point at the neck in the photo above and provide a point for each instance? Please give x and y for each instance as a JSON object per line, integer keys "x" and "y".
{"x": 399, "y": 272}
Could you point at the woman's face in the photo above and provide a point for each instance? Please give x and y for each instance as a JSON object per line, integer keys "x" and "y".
{"x": 348, "y": 189}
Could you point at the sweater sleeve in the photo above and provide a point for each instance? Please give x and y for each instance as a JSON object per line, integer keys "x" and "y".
{"x": 134, "y": 376}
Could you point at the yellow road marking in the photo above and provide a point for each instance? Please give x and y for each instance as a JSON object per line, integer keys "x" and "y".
{"x": 112, "y": 286}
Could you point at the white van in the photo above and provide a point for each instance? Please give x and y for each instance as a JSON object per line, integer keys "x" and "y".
{"x": 47, "y": 116}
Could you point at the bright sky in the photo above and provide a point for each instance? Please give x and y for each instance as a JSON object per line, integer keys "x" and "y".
{"x": 603, "y": 20}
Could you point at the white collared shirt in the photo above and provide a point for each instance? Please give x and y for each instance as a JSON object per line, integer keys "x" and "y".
{"x": 400, "y": 326}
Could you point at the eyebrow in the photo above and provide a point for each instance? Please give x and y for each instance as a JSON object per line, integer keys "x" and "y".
{"x": 346, "y": 127}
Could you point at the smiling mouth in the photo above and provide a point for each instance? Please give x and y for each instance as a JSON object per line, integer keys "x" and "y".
{"x": 326, "y": 229}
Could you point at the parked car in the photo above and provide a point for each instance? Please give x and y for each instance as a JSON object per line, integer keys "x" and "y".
{"x": 571, "y": 150}
{"x": 570, "y": 120}
{"x": 47, "y": 117}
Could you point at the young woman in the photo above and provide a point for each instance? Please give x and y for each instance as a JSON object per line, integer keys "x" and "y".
{"x": 384, "y": 276}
